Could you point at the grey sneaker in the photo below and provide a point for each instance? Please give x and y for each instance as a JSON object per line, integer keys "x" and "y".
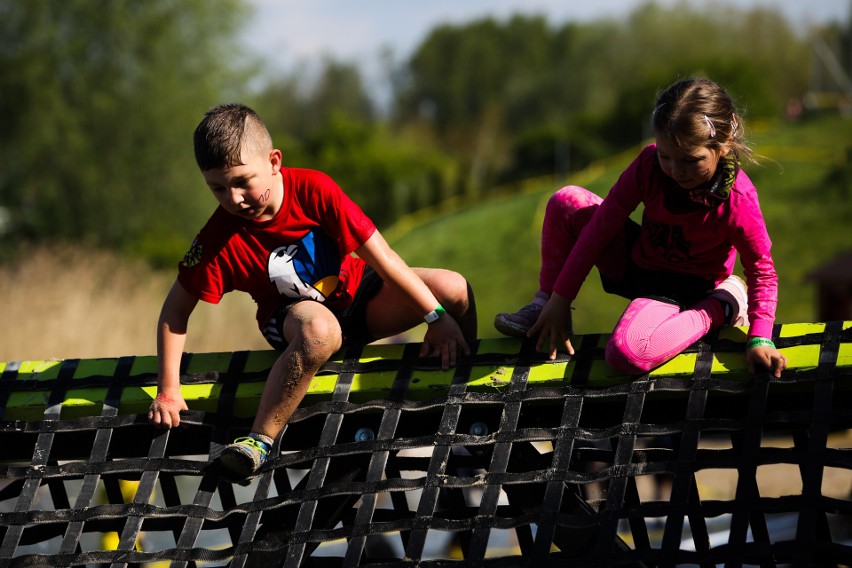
{"x": 734, "y": 297}
{"x": 244, "y": 457}
{"x": 520, "y": 322}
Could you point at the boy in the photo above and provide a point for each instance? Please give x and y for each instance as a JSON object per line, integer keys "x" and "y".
{"x": 284, "y": 235}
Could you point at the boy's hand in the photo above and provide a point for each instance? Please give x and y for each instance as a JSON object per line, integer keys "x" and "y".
{"x": 554, "y": 326}
{"x": 765, "y": 357}
{"x": 442, "y": 339}
{"x": 165, "y": 410}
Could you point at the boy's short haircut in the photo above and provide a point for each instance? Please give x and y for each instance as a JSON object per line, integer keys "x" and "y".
{"x": 223, "y": 134}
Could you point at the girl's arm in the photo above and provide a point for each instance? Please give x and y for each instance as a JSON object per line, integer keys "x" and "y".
{"x": 762, "y": 298}
{"x": 751, "y": 239}
{"x": 762, "y": 354}
{"x": 554, "y": 325}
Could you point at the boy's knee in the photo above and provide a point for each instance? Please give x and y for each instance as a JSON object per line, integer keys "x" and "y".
{"x": 317, "y": 336}
{"x": 322, "y": 331}
{"x": 321, "y": 328}
{"x": 456, "y": 293}
{"x": 456, "y": 286}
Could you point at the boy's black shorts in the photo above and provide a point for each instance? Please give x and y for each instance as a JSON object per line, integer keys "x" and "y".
{"x": 353, "y": 320}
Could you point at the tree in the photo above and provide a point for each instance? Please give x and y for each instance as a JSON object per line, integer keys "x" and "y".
{"x": 99, "y": 99}
{"x": 514, "y": 98}
{"x": 465, "y": 78}
{"x": 330, "y": 124}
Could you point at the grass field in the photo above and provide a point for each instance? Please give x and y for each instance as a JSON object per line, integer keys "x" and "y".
{"x": 804, "y": 181}
{"x": 69, "y": 301}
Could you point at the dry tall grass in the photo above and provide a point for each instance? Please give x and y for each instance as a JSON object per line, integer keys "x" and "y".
{"x": 67, "y": 302}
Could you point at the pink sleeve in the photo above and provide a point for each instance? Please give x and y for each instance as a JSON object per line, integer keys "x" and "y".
{"x": 752, "y": 242}
{"x": 607, "y": 221}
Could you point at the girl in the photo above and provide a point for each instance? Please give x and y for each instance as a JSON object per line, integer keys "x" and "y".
{"x": 700, "y": 210}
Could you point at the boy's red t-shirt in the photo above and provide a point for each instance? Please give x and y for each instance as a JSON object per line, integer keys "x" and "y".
{"x": 304, "y": 252}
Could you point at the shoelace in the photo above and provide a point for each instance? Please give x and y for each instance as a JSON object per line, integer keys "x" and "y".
{"x": 262, "y": 447}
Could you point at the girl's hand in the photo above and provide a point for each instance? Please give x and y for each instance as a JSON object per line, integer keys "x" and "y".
{"x": 443, "y": 338}
{"x": 165, "y": 410}
{"x": 765, "y": 357}
{"x": 554, "y": 326}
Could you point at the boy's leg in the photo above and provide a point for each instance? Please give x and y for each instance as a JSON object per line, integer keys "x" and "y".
{"x": 388, "y": 313}
{"x": 313, "y": 335}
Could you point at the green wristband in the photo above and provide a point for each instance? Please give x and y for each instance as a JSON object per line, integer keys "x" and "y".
{"x": 434, "y": 314}
{"x": 760, "y": 341}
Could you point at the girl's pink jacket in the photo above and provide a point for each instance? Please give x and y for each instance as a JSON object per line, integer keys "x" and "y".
{"x": 704, "y": 241}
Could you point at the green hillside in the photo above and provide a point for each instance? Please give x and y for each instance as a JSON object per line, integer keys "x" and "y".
{"x": 805, "y": 185}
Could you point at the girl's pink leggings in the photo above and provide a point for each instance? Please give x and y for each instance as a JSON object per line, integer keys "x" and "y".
{"x": 649, "y": 332}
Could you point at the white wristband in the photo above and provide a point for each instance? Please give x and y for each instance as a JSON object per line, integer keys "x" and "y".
{"x": 434, "y": 314}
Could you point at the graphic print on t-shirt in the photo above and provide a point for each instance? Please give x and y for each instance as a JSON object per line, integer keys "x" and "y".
{"x": 668, "y": 240}
{"x": 306, "y": 269}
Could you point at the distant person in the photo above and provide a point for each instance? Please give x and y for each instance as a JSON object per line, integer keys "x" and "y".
{"x": 285, "y": 236}
{"x": 700, "y": 210}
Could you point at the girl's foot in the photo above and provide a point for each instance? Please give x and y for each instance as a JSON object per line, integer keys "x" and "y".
{"x": 520, "y": 322}
{"x": 731, "y": 293}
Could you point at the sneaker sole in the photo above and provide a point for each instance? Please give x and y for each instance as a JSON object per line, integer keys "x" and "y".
{"x": 508, "y": 327}
{"x": 237, "y": 464}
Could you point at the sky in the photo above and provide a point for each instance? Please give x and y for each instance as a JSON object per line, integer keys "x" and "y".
{"x": 289, "y": 31}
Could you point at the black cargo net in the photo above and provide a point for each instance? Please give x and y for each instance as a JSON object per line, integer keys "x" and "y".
{"x": 544, "y": 474}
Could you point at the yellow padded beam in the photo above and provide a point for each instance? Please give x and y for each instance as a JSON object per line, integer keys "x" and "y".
{"x": 28, "y": 388}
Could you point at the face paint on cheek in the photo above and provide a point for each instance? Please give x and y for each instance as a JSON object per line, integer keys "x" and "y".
{"x": 265, "y": 197}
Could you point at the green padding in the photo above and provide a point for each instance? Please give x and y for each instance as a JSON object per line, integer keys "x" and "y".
{"x": 27, "y": 386}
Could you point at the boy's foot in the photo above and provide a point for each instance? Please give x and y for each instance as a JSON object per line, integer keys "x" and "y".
{"x": 244, "y": 457}
{"x": 732, "y": 294}
{"x": 520, "y": 322}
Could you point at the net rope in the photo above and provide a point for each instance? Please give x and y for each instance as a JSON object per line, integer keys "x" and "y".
{"x": 535, "y": 473}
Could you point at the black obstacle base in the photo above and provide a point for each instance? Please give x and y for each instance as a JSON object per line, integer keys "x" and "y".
{"x": 523, "y": 476}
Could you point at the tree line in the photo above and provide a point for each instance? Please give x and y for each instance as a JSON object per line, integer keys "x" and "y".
{"x": 98, "y": 101}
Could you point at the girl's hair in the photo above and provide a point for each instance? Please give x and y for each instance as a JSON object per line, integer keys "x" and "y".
{"x": 698, "y": 112}
{"x": 225, "y": 133}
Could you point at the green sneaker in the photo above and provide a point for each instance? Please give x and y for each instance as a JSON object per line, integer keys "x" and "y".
{"x": 244, "y": 457}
